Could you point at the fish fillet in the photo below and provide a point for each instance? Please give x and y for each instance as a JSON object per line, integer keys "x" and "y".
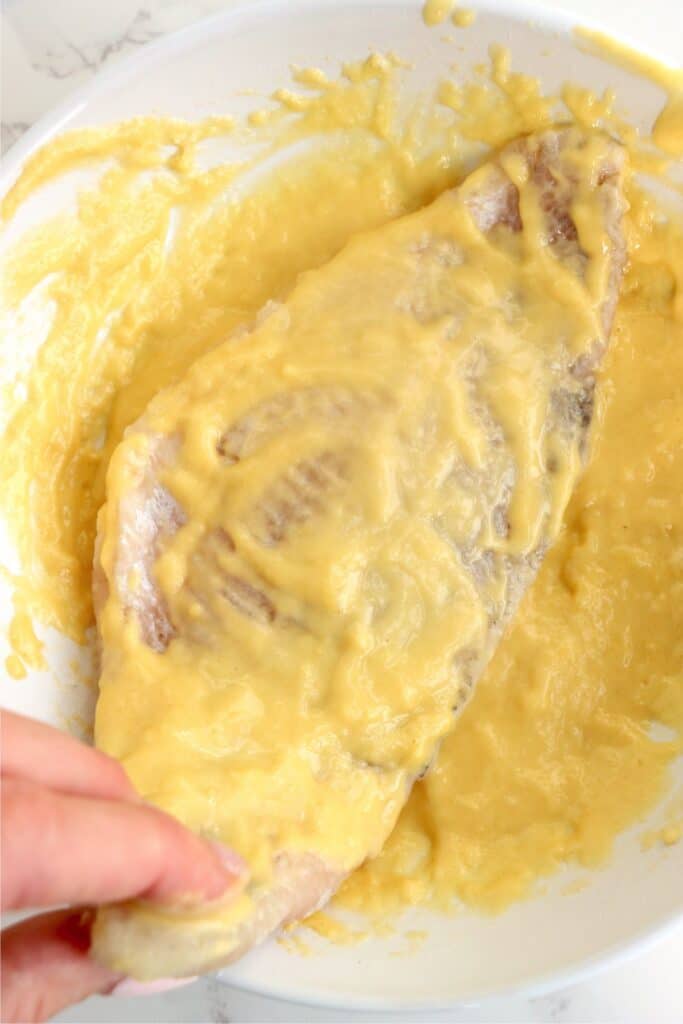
{"x": 328, "y": 523}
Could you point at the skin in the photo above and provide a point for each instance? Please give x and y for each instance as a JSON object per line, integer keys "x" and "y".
{"x": 75, "y": 832}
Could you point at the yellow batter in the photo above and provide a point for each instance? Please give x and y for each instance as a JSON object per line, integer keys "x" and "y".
{"x": 553, "y": 757}
{"x": 340, "y": 487}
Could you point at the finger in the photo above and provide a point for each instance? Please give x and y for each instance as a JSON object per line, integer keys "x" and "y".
{"x": 58, "y": 848}
{"x": 45, "y": 966}
{"x": 34, "y": 751}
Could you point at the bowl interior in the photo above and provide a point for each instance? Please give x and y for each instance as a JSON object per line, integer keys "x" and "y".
{"x": 554, "y": 937}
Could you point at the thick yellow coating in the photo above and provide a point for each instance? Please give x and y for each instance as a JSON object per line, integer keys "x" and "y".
{"x": 555, "y": 754}
{"x": 562, "y": 719}
{"x": 341, "y": 563}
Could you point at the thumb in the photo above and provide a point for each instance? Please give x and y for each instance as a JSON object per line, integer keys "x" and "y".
{"x": 45, "y": 966}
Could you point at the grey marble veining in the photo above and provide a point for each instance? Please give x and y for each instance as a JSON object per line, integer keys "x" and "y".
{"x": 66, "y": 58}
{"x": 49, "y": 49}
{"x": 10, "y": 131}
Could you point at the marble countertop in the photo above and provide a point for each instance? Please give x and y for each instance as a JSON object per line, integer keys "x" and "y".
{"x": 48, "y": 49}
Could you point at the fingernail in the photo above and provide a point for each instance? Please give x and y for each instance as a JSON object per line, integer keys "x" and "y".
{"x": 231, "y": 861}
{"x": 131, "y": 987}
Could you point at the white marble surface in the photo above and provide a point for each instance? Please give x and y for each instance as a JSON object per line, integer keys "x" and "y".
{"x": 49, "y": 47}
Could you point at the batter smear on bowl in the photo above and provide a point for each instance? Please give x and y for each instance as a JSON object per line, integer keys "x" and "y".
{"x": 312, "y": 544}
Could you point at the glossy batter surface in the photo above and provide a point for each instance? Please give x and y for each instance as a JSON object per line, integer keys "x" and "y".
{"x": 554, "y": 756}
{"x": 344, "y": 505}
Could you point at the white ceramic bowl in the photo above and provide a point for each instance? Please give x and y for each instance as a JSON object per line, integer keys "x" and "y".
{"x": 547, "y": 941}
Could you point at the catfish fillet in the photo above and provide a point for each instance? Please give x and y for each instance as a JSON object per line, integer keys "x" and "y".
{"x": 312, "y": 544}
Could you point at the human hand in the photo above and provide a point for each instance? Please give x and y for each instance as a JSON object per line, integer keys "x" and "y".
{"x": 75, "y": 832}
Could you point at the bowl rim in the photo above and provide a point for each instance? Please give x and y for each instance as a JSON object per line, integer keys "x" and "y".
{"x": 558, "y": 21}
{"x": 637, "y": 944}
{"x": 48, "y": 125}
